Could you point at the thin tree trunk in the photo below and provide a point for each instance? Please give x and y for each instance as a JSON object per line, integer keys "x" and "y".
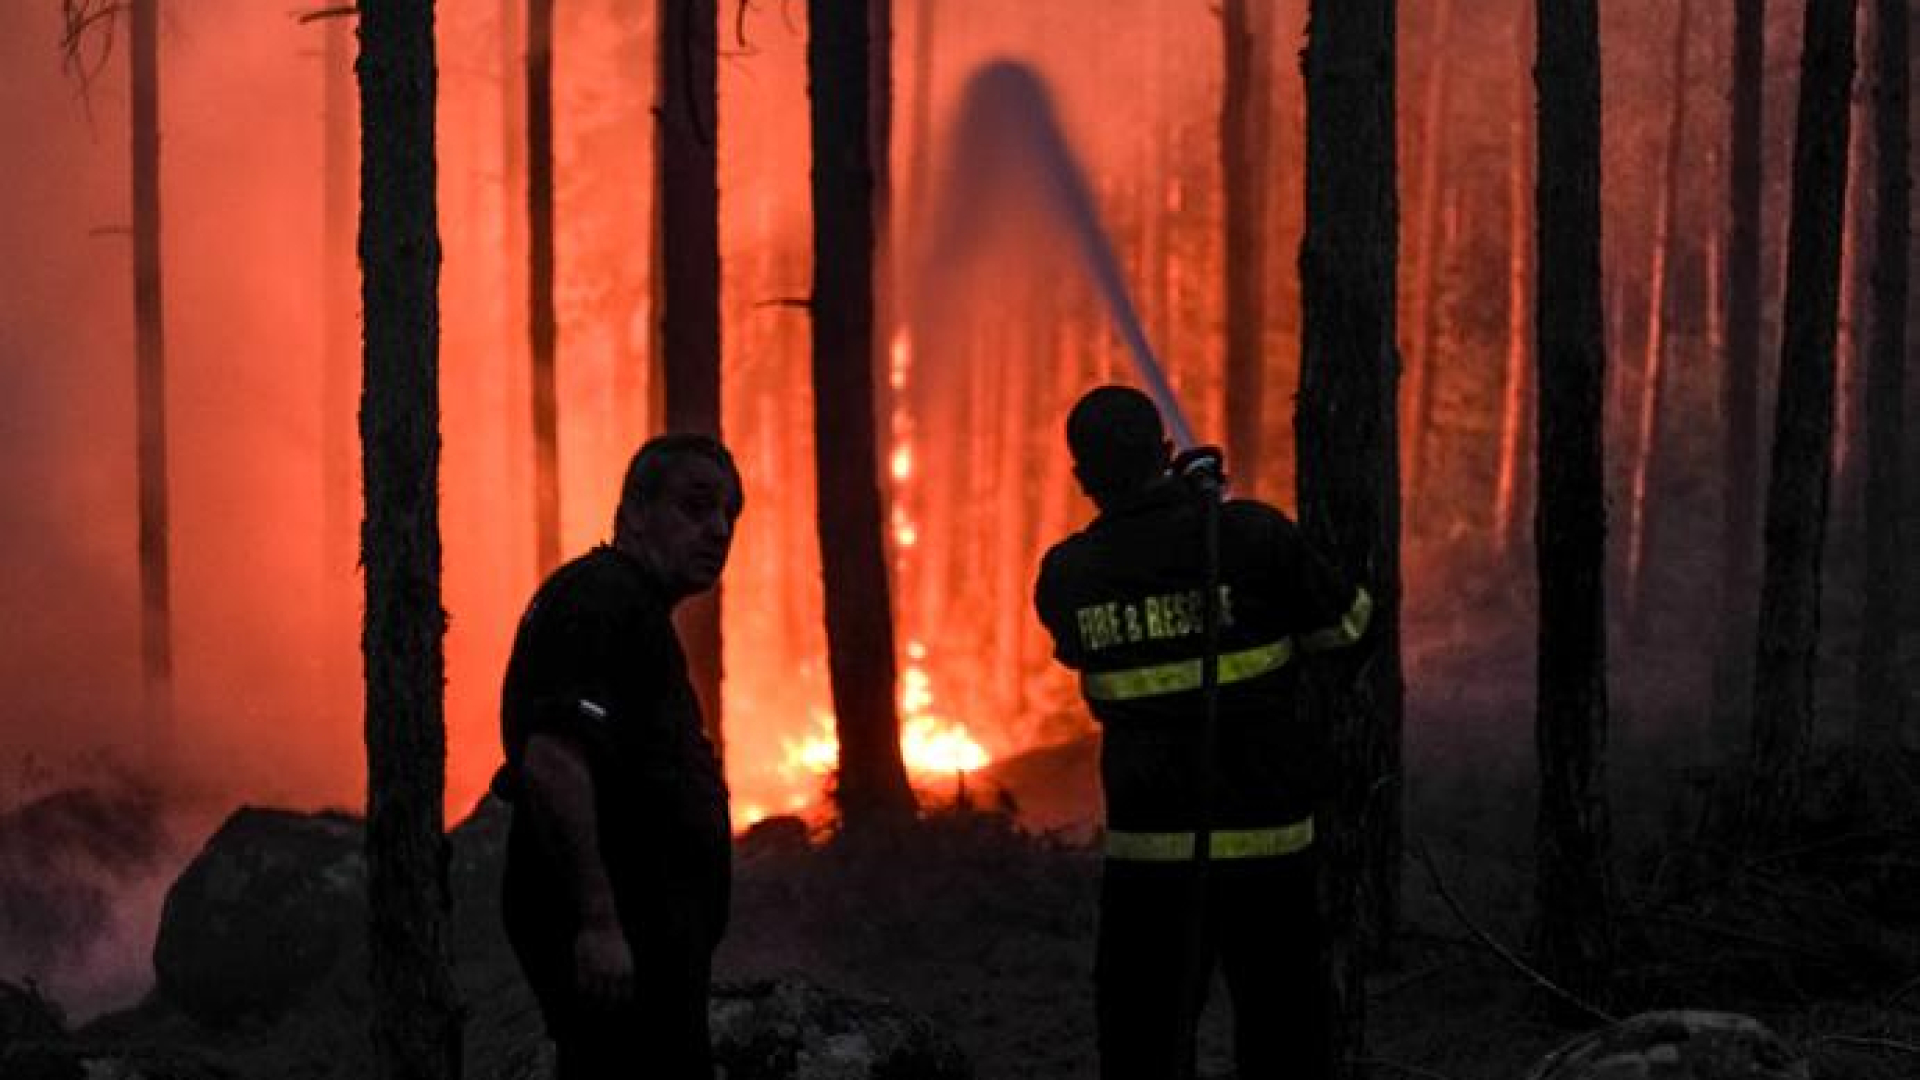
{"x": 1516, "y": 385}
{"x": 1789, "y": 629}
{"x": 1245, "y": 123}
{"x": 1346, "y": 429}
{"x": 1426, "y": 225}
{"x": 872, "y": 788}
{"x": 516, "y": 462}
{"x": 541, "y": 326}
{"x": 688, "y": 224}
{"x": 1572, "y": 841}
{"x": 1653, "y": 372}
{"x": 1880, "y": 691}
{"x": 156, "y": 602}
{"x": 1856, "y": 291}
{"x": 1740, "y": 380}
{"x": 416, "y": 1015}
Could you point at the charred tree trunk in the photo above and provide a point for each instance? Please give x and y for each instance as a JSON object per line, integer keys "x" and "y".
{"x": 1346, "y": 430}
{"x": 1880, "y": 692}
{"x": 1245, "y": 121}
{"x": 156, "y": 602}
{"x": 542, "y": 330}
{"x": 686, "y": 131}
{"x": 1740, "y": 380}
{"x": 1575, "y": 933}
{"x": 1789, "y": 630}
{"x": 1653, "y": 366}
{"x": 416, "y": 1017}
{"x": 872, "y": 788}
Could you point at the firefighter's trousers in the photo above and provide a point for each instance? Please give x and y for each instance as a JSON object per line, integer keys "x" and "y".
{"x": 1261, "y": 926}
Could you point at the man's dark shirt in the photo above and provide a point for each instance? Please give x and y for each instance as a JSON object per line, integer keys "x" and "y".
{"x": 596, "y": 662}
{"x": 1126, "y": 593}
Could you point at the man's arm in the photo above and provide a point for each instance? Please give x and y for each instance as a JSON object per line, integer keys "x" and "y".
{"x": 557, "y": 788}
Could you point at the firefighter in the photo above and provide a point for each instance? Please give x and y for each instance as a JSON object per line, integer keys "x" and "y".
{"x": 1207, "y": 862}
{"x": 619, "y": 854}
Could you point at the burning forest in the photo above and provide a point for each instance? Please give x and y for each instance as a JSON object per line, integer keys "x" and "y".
{"x": 1572, "y": 338}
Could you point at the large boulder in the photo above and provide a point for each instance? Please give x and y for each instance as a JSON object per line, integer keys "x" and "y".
{"x": 261, "y": 915}
{"x": 792, "y": 1030}
{"x": 1681, "y": 1045}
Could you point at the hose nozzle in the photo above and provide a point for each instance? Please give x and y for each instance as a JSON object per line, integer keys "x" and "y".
{"x": 1203, "y": 468}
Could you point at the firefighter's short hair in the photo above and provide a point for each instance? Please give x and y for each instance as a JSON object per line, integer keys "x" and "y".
{"x": 659, "y": 456}
{"x": 1117, "y": 441}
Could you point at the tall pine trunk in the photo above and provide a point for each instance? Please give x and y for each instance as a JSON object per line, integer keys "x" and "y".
{"x": 542, "y": 328}
{"x": 1797, "y": 489}
{"x": 1346, "y": 429}
{"x": 1740, "y": 380}
{"x": 1575, "y": 934}
{"x": 872, "y": 788}
{"x": 416, "y": 1017}
{"x": 1653, "y": 358}
{"x": 1516, "y": 385}
{"x": 1880, "y": 692}
{"x": 686, "y": 134}
{"x": 150, "y": 394}
{"x": 1245, "y": 122}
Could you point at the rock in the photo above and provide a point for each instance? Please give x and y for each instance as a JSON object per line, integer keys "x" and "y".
{"x": 261, "y": 915}
{"x": 792, "y": 1030}
{"x": 1680, "y": 1045}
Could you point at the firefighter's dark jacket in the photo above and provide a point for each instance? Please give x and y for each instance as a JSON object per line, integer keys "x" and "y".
{"x": 596, "y": 661}
{"x": 1123, "y": 601}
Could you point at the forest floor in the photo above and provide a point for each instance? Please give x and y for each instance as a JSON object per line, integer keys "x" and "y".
{"x": 984, "y": 920}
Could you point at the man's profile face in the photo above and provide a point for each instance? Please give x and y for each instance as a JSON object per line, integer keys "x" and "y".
{"x": 685, "y": 530}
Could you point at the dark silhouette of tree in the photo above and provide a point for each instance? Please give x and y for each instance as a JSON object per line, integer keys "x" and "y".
{"x": 542, "y": 327}
{"x": 86, "y": 20}
{"x": 1797, "y": 487}
{"x": 1880, "y": 692}
{"x": 1740, "y": 379}
{"x": 1246, "y": 108}
{"x": 1346, "y": 431}
{"x": 688, "y": 176}
{"x": 872, "y": 788}
{"x": 416, "y": 1018}
{"x": 1574, "y": 937}
{"x": 156, "y": 602}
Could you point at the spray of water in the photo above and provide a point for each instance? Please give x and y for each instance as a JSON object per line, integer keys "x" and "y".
{"x": 1008, "y": 141}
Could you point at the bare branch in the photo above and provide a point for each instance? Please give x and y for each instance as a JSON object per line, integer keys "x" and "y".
{"x": 84, "y": 21}
{"x": 343, "y": 11}
{"x": 1439, "y": 886}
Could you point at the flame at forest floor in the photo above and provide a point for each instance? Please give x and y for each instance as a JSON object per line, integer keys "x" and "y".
{"x": 933, "y": 748}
